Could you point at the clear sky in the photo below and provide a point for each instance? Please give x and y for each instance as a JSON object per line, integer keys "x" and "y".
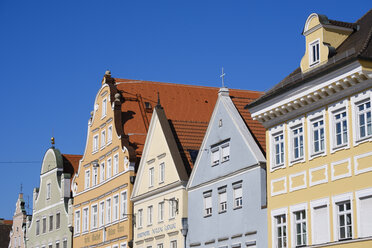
{"x": 53, "y": 55}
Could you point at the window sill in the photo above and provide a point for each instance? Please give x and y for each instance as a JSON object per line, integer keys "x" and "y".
{"x": 238, "y": 207}
{"x": 314, "y": 63}
{"x": 149, "y": 225}
{"x": 103, "y": 117}
{"x": 317, "y": 154}
{"x": 160, "y": 221}
{"x": 296, "y": 161}
{"x": 340, "y": 147}
{"x": 94, "y": 152}
{"x": 208, "y": 215}
{"x": 277, "y": 167}
{"x": 221, "y": 212}
{"x": 363, "y": 140}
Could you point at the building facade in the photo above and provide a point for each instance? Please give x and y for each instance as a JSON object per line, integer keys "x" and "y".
{"x": 227, "y": 187}
{"x": 17, "y": 235}
{"x": 319, "y": 140}
{"x": 50, "y": 224}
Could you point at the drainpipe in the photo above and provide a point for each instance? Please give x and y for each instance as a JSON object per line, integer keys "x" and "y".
{"x": 184, "y": 229}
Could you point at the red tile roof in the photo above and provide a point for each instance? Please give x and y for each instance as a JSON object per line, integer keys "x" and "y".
{"x": 71, "y": 163}
{"x": 187, "y": 107}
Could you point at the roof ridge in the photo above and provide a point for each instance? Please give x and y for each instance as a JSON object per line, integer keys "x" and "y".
{"x": 363, "y": 16}
{"x": 76, "y": 155}
{"x": 368, "y": 39}
{"x": 204, "y": 122}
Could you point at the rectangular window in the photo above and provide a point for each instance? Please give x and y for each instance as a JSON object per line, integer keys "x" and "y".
{"x": 101, "y": 213}
{"x": 104, "y": 107}
{"x": 222, "y": 195}
{"x": 298, "y": 142}
{"x": 140, "y": 218}
{"x": 58, "y": 220}
{"x": 173, "y": 244}
{"x": 87, "y": 179}
{"x": 65, "y": 243}
{"x": 85, "y": 219}
{"x": 77, "y": 222}
{"x": 161, "y": 172}
{"x": 103, "y": 138}
{"x": 208, "y": 204}
{"x": 109, "y": 134}
{"x": 57, "y": 244}
{"x": 50, "y": 223}
{"x": 314, "y": 53}
{"x": 151, "y": 177}
{"x": 281, "y": 230}
{"x": 37, "y": 227}
{"x": 149, "y": 215}
{"x": 95, "y": 176}
{"x": 109, "y": 169}
{"x": 344, "y": 220}
{"x": 116, "y": 207}
{"x": 50, "y": 246}
{"x": 365, "y": 213}
{"x": 48, "y": 191}
{"x": 124, "y": 206}
{"x": 318, "y": 135}
{"x": 95, "y": 143}
{"x": 102, "y": 175}
{"x": 279, "y": 149}
{"x": 108, "y": 210}
{"x": 320, "y": 224}
{"x": 161, "y": 212}
{"x": 159, "y": 246}
{"x": 116, "y": 164}
{"x": 123, "y": 245}
{"x": 44, "y": 225}
{"x": 364, "y": 120}
{"x": 94, "y": 221}
{"x": 238, "y": 197}
{"x": 300, "y": 227}
{"x": 215, "y": 158}
{"x": 225, "y": 152}
{"x": 340, "y": 122}
{"x": 172, "y": 208}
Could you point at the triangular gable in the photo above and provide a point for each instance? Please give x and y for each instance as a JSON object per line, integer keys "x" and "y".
{"x": 160, "y": 146}
{"x": 226, "y": 126}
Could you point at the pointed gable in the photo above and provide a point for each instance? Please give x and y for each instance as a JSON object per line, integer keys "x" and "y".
{"x": 227, "y": 142}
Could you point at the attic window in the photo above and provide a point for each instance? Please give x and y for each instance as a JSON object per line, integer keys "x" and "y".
{"x": 148, "y": 106}
{"x": 314, "y": 52}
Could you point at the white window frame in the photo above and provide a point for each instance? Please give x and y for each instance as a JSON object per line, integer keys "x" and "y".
{"x": 293, "y": 125}
{"x": 87, "y": 179}
{"x": 109, "y": 135}
{"x": 94, "y": 217}
{"x": 225, "y": 146}
{"x": 293, "y": 210}
{"x": 51, "y": 225}
{"x": 123, "y": 245}
{"x": 356, "y": 100}
{"x": 315, "y": 204}
{"x": 275, "y": 213}
{"x": 215, "y": 152}
{"x": 161, "y": 172}
{"x": 95, "y": 143}
{"x": 150, "y": 215}
{"x": 44, "y": 227}
{"x": 333, "y": 110}
{"x": 85, "y": 224}
{"x": 37, "y": 229}
{"x": 238, "y": 201}
{"x": 124, "y": 204}
{"x": 173, "y": 244}
{"x": 314, "y": 117}
{"x": 140, "y": 217}
{"x": 312, "y": 44}
{"x": 208, "y": 210}
{"x": 151, "y": 176}
{"x": 108, "y": 206}
{"x": 94, "y": 175}
{"x": 104, "y": 108}
{"x": 102, "y": 173}
{"x": 115, "y": 207}
{"x": 103, "y": 139}
{"x": 161, "y": 212}
{"x": 336, "y": 200}
{"x": 222, "y": 199}
{"x": 77, "y": 220}
{"x": 274, "y": 132}
{"x": 48, "y": 190}
{"x": 116, "y": 164}
{"x": 364, "y": 193}
{"x": 109, "y": 168}
{"x": 102, "y": 213}
{"x": 172, "y": 208}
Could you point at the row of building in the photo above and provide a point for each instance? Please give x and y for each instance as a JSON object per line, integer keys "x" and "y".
{"x": 169, "y": 165}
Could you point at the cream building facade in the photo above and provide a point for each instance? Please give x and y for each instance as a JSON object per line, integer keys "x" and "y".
{"x": 319, "y": 140}
{"x": 17, "y": 235}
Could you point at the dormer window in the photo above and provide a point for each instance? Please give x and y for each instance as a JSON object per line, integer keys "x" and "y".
{"x": 314, "y": 52}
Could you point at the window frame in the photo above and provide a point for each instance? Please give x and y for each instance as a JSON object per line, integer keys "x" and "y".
{"x": 140, "y": 218}
{"x": 104, "y": 108}
{"x": 161, "y": 172}
{"x": 292, "y": 125}
{"x": 316, "y": 116}
{"x": 77, "y": 222}
{"x": 274, "y": 132}
{"x": 94, "y": 175}
{"x": 103, "y": 139}
{"x": 355, "y": 100}
{"x": 109, "y": 168}
{"x": 109, "y": 134}
{"x": 51, "y": 224}
{"x": 207, "y": 211}
{"x": 316, "y": 204}
{"x": 364, "y": 193}
{"x": 108, "y": 207}
{"x": 172, "y": 208}
{"x": 161, "y": 207}
{"x": 333, "y": 110}
{"x": 44, "y": 225}
{"x": 87, "y": 179}
{"x": 340, "y": 199}
{"x": 102, "y": 172}
{"x": 293, "y": 210}
{"x": 85, "y": 217}
{"x": 124, "y": 204}
{"x": 150, "y": 215}
{"x": 95, "y": 143}
{"x": 222, "y": 205}
{"x": 115, "y": 162}
{"x": 48, "y": 190}
{"x": 115, "y": 208}
{"x": 312, "y": 61}
{"x": 58, "y": 220}
{"x": 102, "y": 213}
{"x": 37, "y": 228}
{"x": 94, "y": 216}
{"x": 274, "y": 214}
{"x": 238, "y": 201}
{"x": 151, "y": 176}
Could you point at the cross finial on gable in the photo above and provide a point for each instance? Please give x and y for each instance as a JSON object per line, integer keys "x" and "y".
{"x": 222, "y": 76}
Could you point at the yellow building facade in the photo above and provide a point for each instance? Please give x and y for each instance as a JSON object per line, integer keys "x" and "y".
{"x": 319, "y": 140}
{"x": 102, "y": 187}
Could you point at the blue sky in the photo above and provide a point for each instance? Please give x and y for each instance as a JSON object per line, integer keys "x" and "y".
{"x": 53, "y": 55}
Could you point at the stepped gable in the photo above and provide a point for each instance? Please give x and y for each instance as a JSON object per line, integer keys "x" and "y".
{"x": 188, "y": 109}
{"x": 357, "y": 46}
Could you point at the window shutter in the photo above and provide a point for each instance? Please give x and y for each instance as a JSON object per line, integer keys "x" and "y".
{"x": 215, "y": 157}
{"x": 366, "y": 216}
{"x": 208, "y": 202}
{"x": 223, "y": 197}
{"x": 225, "y": 153}
{"x": 320, "y": 224}
{"x": 238, "y": 192}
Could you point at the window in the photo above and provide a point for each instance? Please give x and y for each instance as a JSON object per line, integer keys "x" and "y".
{"x": 109, "y": 134}
{"x": 140, "y": 218}
{"x": 116, "y": 164}
{"x": 87, "y": 179}
{"x": 320, "y": 223}
{"x": 208, "y": 204}
{"x": 173, "y": 244}
{"x": 50, "y": 223}
{"x": 58, "y": 220}
{"x": 108, "y": 173}
{"x": 298, "y": 143}
{"x": 364, "y": 120}
{"x": 94, "y": 221}
{"x": 225, "y": 152}
{"x": 318, "y": 135}
{"x": 280, "y": 230}
{"x": 279, "y": 149}
{"x": 215, "y": 158}
{"x": 149, "y": 215}
{"x": 344, "y": 222}
{"x": 108, "y": 210}
{"x": 159, "y": 246}
{"x": 44, "y": 225}
{"x": 37, "y": 227}
{"x": 161, "y": 172}
{"x": 65, "y": 243}
{"x": 222, "y": 197}
{"x": 95, "y": 176}
{"x": 85, "y": 219}
{"x": 77, "y": 222}
{"x": 48, "y": 193}
{"x": 101, "y": 213}
{"x": 172, "y": 208}
{"x": 102, "y": 175}
{"x": 340, "y": 122}
{"x": 103, "y": 138}
{"x": 238, "y": 195}
{"x": 161, "y": 212}
{"x": 50, "y": 245}
{"x": 300, "y": 227}
{"x": 57, "y": 244}
{"x": 104, "y": 107}
{"x": 151, "y": 177}
{"x": 95, "y": 143}
{"x": 124, "y": 206}
{"x": 116, "y": 207}
{"x": 314, "y": 53}
{"x": 365, "y": 213}
{"x": 123, "y": 245}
